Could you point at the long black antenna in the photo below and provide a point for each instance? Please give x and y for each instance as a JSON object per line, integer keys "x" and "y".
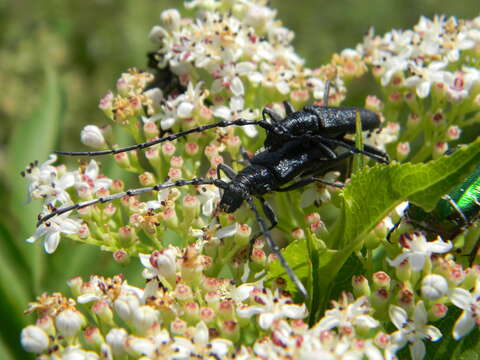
{"x": 197, "y": 181}
{"x": 276, "y": 249}
{"x": 220, "y": 124}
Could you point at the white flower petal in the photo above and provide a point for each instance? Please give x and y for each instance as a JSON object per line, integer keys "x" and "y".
{"x": 398, "y": 260}
{"x": 464, "y": 325}
{"x": 417, "y": 261}
{"x": 398, "y": 316}
{"x": 51, "y": 242}
{"x": 226, "y": 231}
{"x": 265, "y": 320}
{"x": 434, "y": 333}
{"x": 417, "y": 350}
{"x": 440, "y": 246}
{"x": 92, "y": 170}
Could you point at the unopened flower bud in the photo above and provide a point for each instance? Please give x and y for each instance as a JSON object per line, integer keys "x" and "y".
{"x": 413, "y": 120}
{"x": 394, "y": 97}
{"x": 230, "y": 330}
{"x": 298, "y": 234}
{"x": 178, "y": 327}
{"x": 405, "y": 299}
{"x": 312, "y": 218}
{"x": 242, "y": 234}
{"x": 437, "y": 312}
{"x": 360, "y": 286}
{"x": 75, "y": 285}
{"x": 176, "y": 162}
{"x": 259, "y": 257}
{"x": 439, "y": 149}
{"x": 318, "y": 228}
{"x": 34, "y": 339}
{"x": 46, "y": 324}
{"x": 437, "y": 118}
{"x": 150, "y": 129}
{"x": 170, "y": 218}
{"x": 126, "y": 236}
{"x": 121, "y": 257}
{"x": 373, "y": 103}
{"x": 380, "y": 299}
{"x": 403, "y": 150}
{"x": 226, "y": 309}
{"x": 122, "y": 160}
{"x": 93, "y": 337}
{"x": 191, "y": 149}
{"x": 191, "y": 311}
{"x": 69, "y": 322}
{"x": 183, "y": 292}
{"x": 174, "y": 174}
{"x": 210, "y": 151}
{"x": 453, "y": 132}
{"x": 116, "y": 338}
{"x": 434, "y": 287}
{"x": 168, "y": 149}
{"x": 381, "y": 280}
{"x": 92, "y": 136}
{"x": 144, "y": 317}
{"x": 147, "y": 179}
{"x": 106, "y": 104}
{"x": 207, "y": 315}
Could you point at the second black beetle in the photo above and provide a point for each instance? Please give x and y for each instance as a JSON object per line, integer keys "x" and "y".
{"x": 324, "y": 126}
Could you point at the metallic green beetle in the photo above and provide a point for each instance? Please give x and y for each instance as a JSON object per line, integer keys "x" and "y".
{"x": 452, "y": 215}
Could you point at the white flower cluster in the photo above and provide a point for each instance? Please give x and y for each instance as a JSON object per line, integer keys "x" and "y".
{"x": 54, "y": 185}
{"x": 432, "y": 53}
{"x": 241, "y": 50}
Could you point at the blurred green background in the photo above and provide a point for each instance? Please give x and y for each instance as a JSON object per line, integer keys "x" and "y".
{"x": 57, "y": 58}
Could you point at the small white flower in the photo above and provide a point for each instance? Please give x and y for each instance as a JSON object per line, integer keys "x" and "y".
{"x": 51, "y": 230}
{"x": 161, "y": 263}
{"x": 235, "y": 111}
{"x": 418, "y": 249}
{"x": 272, "y": 307}
{"x": 34, "y": 339}
{"x": 348, "y": 315}
{"x": 46, "y": 185}
{"x": 424, "y": 77}
{"x": 412, "y": 331}
{"x": 470, "y": 304}
{"x": 90, "y": 181}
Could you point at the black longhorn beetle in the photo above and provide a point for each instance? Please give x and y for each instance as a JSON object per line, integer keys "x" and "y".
{"x": 289, "y": 154}
{"x": 326, "y": 126}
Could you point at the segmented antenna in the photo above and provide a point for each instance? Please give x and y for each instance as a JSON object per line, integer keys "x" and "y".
{"x": 220, "y": 124}
{"x": 197, "y": 181}
{"x": 276, "y": 249}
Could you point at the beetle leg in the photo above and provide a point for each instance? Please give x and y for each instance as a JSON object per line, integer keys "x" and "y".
{"x": 289, "y": 109}
{"x": 369, "y": 148}
{"x": 227, "y": 170}
{"x": 271, "y": 114}
{"x": 306, "y": 181}
{"x": 276, "y": 249}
